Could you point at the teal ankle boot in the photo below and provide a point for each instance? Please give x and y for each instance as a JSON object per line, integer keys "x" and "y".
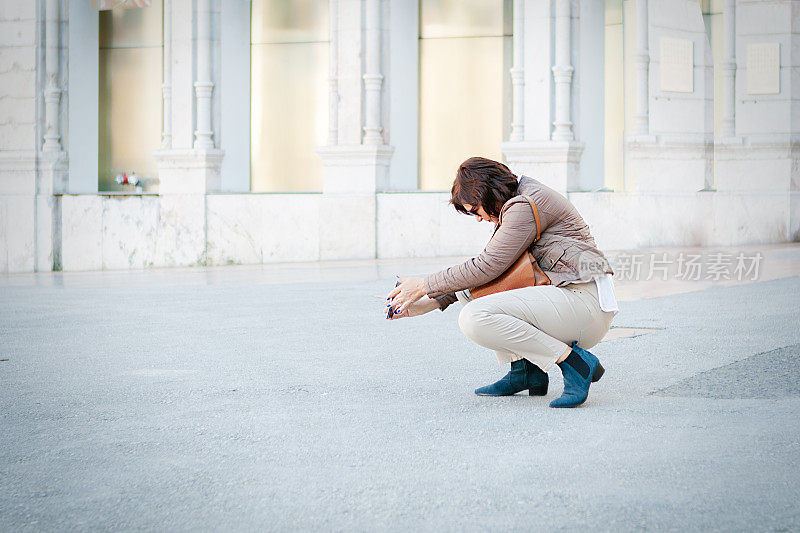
{"x": 580, "y": 369}
{"x": 523, "y": 375}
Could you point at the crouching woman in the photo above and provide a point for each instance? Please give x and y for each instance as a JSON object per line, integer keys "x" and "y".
{"x": 531, "y": 327}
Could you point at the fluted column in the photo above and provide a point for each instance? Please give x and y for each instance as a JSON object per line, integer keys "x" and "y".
{"x": 204, "y": 87}
{"x": 333, "y": 77}
{"x": 562, "y": 72}
{"x": 729, "y": 69}
{"x": 518, "y": 74}
{"x": 166, "y": 86}
{"x": 372, "y": 77}
{"x": 52, "y": 92}
{"x": 641, "y": 124}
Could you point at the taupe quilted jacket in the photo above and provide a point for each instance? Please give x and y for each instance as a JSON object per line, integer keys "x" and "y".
{"x": 565, "y": 250}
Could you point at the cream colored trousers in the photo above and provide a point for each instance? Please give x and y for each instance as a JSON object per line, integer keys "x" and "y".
{"x": 537, "y": 323}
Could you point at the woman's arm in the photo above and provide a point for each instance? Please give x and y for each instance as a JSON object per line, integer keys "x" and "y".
{"x": 512, "y": 238}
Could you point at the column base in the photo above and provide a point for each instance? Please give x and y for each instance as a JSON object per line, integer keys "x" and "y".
{"x": 189, "y": 171}
{"x": 52, "y": 178}
{"x": 352, "y": 175}
{"x": 355, "y": 169}
{"x": 53, "y": 174}
{"x": 668, "y": 164}
{"x": 769, "y": 163}
{"x": 554, "y": 163}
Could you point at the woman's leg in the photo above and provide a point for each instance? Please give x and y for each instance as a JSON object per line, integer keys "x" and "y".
{"x": 537, "y": 323}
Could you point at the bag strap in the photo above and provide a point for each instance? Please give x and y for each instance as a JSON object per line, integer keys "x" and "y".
{"x": 535, "y": 216}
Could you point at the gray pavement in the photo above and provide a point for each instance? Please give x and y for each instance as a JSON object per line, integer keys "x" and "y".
{"x": 256, "y": 405}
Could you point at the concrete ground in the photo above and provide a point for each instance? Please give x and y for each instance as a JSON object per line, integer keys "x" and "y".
{"x": 274, "y": 398}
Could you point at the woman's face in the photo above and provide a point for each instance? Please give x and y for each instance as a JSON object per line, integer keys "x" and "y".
{"x": 480, "y": 214}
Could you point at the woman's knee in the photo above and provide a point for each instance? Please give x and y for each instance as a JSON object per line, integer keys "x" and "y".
{"x": 470, "y": 318}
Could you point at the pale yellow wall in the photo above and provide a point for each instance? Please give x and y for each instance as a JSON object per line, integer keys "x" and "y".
{"x": 289, "y": 94}
{"x": 130, "y": 99}
{"x": 464, "y": 56}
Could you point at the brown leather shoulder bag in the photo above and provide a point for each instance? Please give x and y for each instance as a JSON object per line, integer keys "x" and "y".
{"x": 525, "y": 272}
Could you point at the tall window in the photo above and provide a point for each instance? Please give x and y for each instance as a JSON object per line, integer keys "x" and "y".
{"x": 289, "y": 94}
{"x": 131, "y": 43}
{"x": 465, "y": 49}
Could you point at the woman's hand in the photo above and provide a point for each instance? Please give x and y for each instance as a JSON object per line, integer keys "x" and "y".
{"x": 409, "y": 291}
{"x": 420, "y": 307}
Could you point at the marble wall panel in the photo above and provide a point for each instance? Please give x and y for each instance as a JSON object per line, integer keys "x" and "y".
{"x": 130, "y": 230}
{"x": 347, "y": 227}
{"x": 181, "y": 230}
{"x": 425, "y": 225}
{"x": 234, "y": 225}
{"x": 263, "y": 228}
{"x": 291, "y": 226}
{"x": 82, "y": 232}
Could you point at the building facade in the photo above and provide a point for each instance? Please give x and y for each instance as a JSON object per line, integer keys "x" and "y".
{"x": 253, "y": 131}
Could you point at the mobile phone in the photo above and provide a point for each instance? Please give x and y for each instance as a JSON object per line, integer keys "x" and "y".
{"x": 390, "y": 309}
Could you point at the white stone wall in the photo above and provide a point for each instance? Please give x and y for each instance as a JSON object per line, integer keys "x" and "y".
{"x": 682, "y": 186}
{"x": 18, "y": 135}
{"x": 262, "y": 228}
{"x": 105, "y": 232}
{"x": 132, "y": 232}
{"x": 112, "y": 232}
{"x": 18, "y": 70}
{"x": 632, "y": 220}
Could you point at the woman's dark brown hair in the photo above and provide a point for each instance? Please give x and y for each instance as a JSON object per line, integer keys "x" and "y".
{"x": 483, "y": 182}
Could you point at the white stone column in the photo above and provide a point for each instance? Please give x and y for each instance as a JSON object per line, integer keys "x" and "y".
{"x": 190, "y": 166}
{"x": 52, "y": 92}
{"x": 535, "y": 148}
{"x": 518, "y": 74}
{"x": 372, "y": 76}
{"x": 166, "y": 85}
{"x": 562, "y": 72}
{"x": 642, "y": 117}
{"x": 357, "y": 166}
{"x": 51, "y": 170}
{"x": 203, "y": 86}
{"x": 333, "y": 77}
{"x": 729, "y": 69}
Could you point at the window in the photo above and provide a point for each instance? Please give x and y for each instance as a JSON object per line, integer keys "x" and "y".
{"x": 289, "y": 94}
{"x": 465, "y": 52}
{"x": 131, "y": 43}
